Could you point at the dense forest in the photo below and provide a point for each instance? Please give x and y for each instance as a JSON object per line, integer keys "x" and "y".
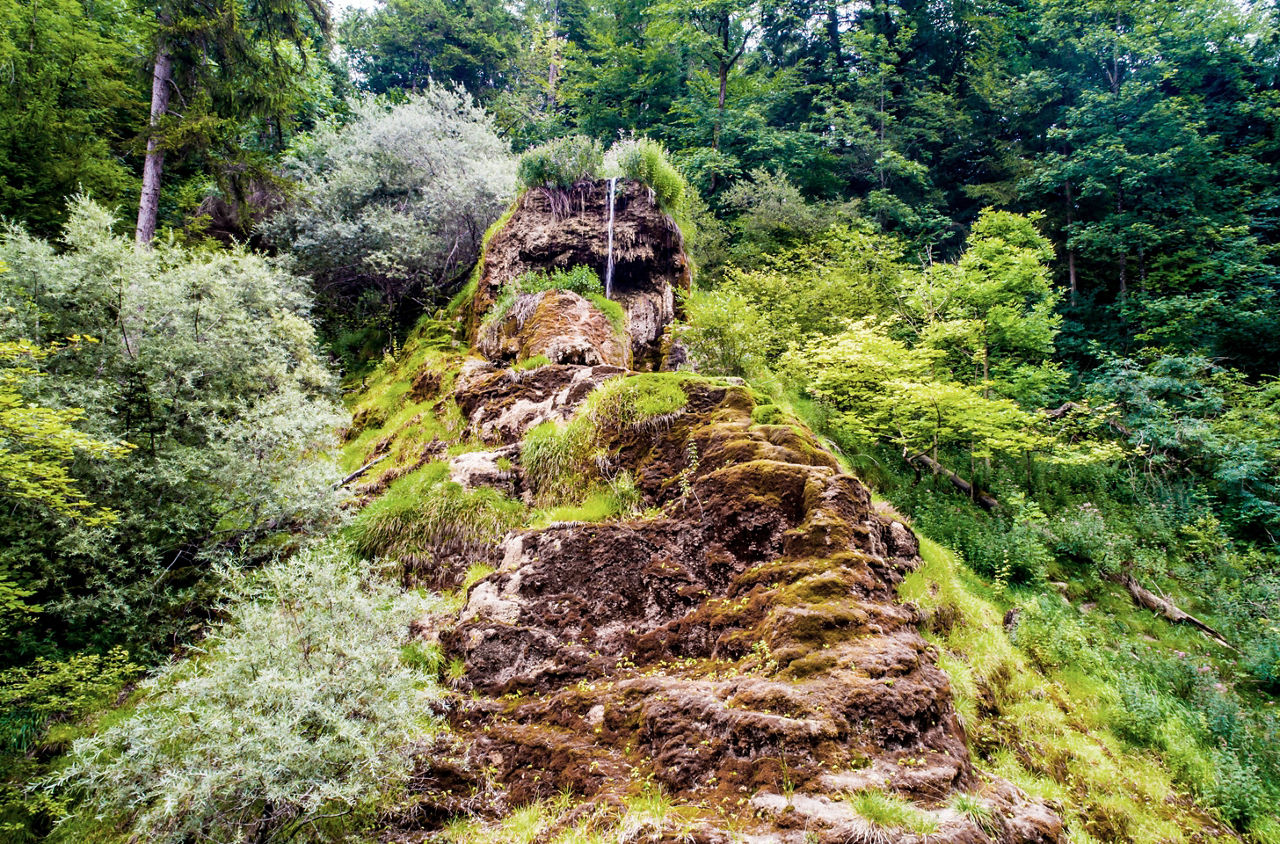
{"x": 1014, "y": 263}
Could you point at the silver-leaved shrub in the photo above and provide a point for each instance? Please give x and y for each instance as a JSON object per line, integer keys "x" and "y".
{"x": 396, "y": 198}
{"x": 294, "y": 712}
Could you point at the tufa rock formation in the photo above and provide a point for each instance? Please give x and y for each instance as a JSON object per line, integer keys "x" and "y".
{"x": 650, "y": 270}
{"x": 742, "y": 644}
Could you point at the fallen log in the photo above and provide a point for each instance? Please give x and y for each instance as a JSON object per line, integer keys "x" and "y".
{"x": 986, "y": 499}
{"x": 1146, "y": 598}
{"x": 358, "y": 472}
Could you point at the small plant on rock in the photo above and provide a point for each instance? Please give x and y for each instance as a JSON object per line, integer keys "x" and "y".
{"x": 646, "y": 161}
{"x": 579, "y": 279}
{"x": 975, "y": 810}
{"x": 890, "y": 812}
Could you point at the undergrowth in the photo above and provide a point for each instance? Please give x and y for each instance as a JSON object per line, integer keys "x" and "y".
{"x": 424, "y": 514}
{"x": 1045, "y": 731}
{"x": 565, "y": 463}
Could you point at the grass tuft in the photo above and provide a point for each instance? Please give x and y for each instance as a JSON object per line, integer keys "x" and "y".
{"x": 891, "y": 812}
{"x": 424, "y": 514}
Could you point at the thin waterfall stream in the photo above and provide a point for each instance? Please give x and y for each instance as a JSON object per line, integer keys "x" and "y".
{"x": 608, "y": 267}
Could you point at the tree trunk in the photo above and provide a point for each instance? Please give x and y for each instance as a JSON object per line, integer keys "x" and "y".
{"x": 1071, "y": 252}
{"x": 149, "y": 202}
{"x": 1145, "y": 598}
{"x": 724, "y": 88}
{"x": 985, "y": 499}
{"x": 833, "y": 34}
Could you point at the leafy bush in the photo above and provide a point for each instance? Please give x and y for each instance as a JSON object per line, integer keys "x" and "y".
{"x": 299, "y": 706}
{"x": 727, "y": 335}
{"x": 646, "y": 161}
{"x": 206, "y": 362}
{"x": 561, "y": 163}
{"x": 396, "y": 198}
{"x": 50, "y": 690}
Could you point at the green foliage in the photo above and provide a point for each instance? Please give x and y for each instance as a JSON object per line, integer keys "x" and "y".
{"x": 890, "y": 812}
{"x": 69, "y": 107}
{"x": 408, "y": 45}
{"x": 204, "y": 361}
{"x": 299, "y": 708}
{"x": 727, "y": 335}
{"x": 47, "y": 690}
{"x": 393, "y": 200}
{"x": 579, "y": 279}
{"x": 425, "y": 514}
{"x": 885, "y": 390}
{"x": 850, "y": 272}
{"x": 993, "y": 313}
{"x": 38, "y": 444}
{"x": 560, "y": 460}
{"x": 561, "y": 163}
{"x": 1062, "y": 705}
{"x": 646, "y": 161}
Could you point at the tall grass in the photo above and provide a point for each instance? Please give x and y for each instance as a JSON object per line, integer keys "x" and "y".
{"x": 424, "y": 514}
{"x": 562, "y": 461}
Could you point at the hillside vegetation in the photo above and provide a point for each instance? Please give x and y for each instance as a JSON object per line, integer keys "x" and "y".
{"x": 638, "y": 420}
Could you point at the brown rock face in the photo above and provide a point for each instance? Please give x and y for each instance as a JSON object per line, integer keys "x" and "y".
{"x": 746, "y": 640}
{"x": 742, "y": 644}
{"x": 557, "y": 324}
{"x": 649, "y": 259}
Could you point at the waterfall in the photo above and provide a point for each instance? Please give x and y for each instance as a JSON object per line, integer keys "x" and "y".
{"x": 608, "y": 267}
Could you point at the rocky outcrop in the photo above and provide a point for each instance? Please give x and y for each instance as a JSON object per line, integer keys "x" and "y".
{"x": 559, "y": 325}
{"x": 650, "y": 264}
{"x": 741, "y": 644}
{"x": 500, "y": 405}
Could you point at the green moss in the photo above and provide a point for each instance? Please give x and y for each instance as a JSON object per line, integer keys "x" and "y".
{"x": 612, "y": 311}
